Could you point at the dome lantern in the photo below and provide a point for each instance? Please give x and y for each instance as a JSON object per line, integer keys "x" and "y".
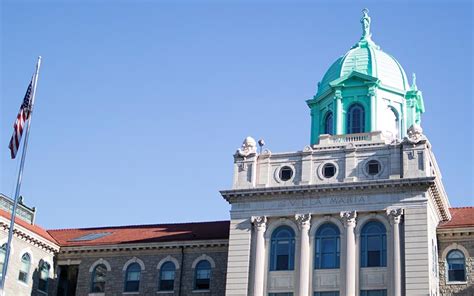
{"x": 365, "y": 90}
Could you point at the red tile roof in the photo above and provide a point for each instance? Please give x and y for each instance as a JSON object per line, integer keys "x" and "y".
{"x": 143, "y": 233}
{"x": 460, "y": 217}
{"x": 31, "y": 227}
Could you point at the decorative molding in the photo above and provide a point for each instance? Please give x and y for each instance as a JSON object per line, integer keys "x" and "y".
{"x": 134, "y": 260}
{"x": 259, "y": 222}
{"x": 98, "y": 262}
{"x": 395, "y": 215}
{"x": 349, "y": 218}
{"x": 168, "y": 258}
{"x": 303, "y": 220}
{"x": 204, "y": 257}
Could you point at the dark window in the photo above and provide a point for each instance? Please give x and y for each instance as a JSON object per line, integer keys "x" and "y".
{"x": 99, "y": 275}
{"x": 373, "y": 245}
{"x": 329, "y": 170}
{"x": 286, "y": 173}
{"x": 24, "y": 268}
{"x": 282, "y": 255}
{"x": 167, "y": 274}
{"x": 281, "y": 294}
{"x": 328, "y": 124}
{"x": 456, "y": 266}
{"x": 132, "y": 278}
{"x": 373, "y": 293}
{"x": 44, "y": 276}
{"x": 356, "y": 119}
{"x": 327, "y": 247}
{"x": 202, "y": 277}
{"x": 373, "y": 167}
{"x": 327, "y": 293}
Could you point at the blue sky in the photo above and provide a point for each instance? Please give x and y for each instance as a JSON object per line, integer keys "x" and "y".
{"x": 141, "y": 104}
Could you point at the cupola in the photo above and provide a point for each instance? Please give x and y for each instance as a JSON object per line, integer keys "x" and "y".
{"x": 365, "y": 90}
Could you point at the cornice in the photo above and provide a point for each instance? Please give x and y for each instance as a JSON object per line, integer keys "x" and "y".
{"x": 29, "y": 237}
{"x": 144, "y": 246}
{"x": 240, "y": 194}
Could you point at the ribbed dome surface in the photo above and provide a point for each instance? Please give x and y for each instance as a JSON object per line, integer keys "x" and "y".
{"x": 370, "y": 60}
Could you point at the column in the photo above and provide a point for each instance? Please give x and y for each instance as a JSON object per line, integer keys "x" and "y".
{"x": 373, "y": 109}
{"x": 315, "y": 123}
{"x": 260, "y": 224}
{"x": 338, "y": 112}
{"x": 395, "y": 216}
{"x": 304, "y": 223}
{"x": 349, "y": 220}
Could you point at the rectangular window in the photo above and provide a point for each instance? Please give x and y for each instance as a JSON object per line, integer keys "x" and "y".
{"x": 327, "y": 293}
{"x": 373, "y": 293}
{"x": 421, "y": 161}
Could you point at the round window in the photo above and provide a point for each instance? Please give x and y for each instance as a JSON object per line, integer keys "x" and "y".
{"x": 373, "y": 167}
{"x": 286, "y": 173}
{"x": 329, "y": 170}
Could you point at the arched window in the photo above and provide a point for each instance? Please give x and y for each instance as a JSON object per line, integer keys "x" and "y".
{"x": 202, "y": 275}
{"x": 44, "y": 276}
{"x": 355, "y": 119}
{"x": 282, "y": 255}
{"x": 3, "y": 251}
{"x": 373, "y": 245}
{"x": 393, "y": 122}
{"x": 24, "y": 268}
{"x": 456, "y": 266}
{"x": 132, "y": 278}
{"x": 167, "y": 274}
{"x": 99, "y": 276}
{"x": 327, "y": 247}
{"x": 328, "y": 124}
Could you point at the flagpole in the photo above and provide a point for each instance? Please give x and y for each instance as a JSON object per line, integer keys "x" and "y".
{"x": 18, "y": 183}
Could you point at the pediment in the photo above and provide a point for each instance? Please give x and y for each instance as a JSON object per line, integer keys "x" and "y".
{"x": 354, "y": 78}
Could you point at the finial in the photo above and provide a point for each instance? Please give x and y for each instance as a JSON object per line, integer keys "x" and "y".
{"x": 413, "y": 85}
{"x": 365, "y": 21}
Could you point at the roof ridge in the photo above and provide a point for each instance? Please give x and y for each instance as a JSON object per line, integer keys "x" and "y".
{"x": 465, "y": 207}
{"x": 135, "y": 225}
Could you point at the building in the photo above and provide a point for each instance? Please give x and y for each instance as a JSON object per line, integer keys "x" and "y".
{"x": 360, "y": 211}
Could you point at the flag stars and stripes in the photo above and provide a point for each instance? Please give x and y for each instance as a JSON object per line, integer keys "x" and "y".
{"x": 21, "y": 118}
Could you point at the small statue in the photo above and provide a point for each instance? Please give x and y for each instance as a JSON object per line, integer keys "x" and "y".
{"x": 365, "y": 21}
{"x": 415, "y": 134}
{"x": 249, "y": 147}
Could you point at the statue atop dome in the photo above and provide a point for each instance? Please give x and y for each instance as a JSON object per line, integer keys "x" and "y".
{"x": 365, "y": 21}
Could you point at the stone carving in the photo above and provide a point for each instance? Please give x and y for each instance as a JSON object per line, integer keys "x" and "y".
{"x": 259, "y": 222}
{"x": 365, "y": 21}
{"x": 307, "y": 148}
{"x": 395, "y": 215}
{"x": 415, "y": 134}
{"x": 303, "y": 219}
{"x": 349, "y": 218}
{"x": 249, "y": 147}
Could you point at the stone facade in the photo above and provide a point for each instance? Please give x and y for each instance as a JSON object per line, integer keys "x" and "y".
{"x": 456, "y": 239}
{"x": 40, "y": 249}
{"x": 149, "y": 256}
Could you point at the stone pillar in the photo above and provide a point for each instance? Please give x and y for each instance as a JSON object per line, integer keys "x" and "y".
{"x": 260, "y": 224}
{"x": 315, "y": 122}
{"x": 349, "y": 220}
{"x": 304, "y": 223}
{"x": 395, "y": 216}
{"x": 373, "y": 109}
{"x": 338, "y": 116}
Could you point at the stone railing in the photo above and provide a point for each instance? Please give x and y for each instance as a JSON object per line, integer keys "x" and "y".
{"x": 349, "y": 138}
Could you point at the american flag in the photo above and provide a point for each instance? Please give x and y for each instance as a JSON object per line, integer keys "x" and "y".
{"x": 21, "y": 118}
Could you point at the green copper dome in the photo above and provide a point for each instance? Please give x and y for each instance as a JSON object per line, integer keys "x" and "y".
{"x": 366, "y": 90}
{"x": 367, "y": 58}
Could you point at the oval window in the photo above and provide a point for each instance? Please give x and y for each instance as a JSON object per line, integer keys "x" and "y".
{"x": 329, "y": 170}
{"x": 373, "y": 167}
{"x": 286, "y": 173}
